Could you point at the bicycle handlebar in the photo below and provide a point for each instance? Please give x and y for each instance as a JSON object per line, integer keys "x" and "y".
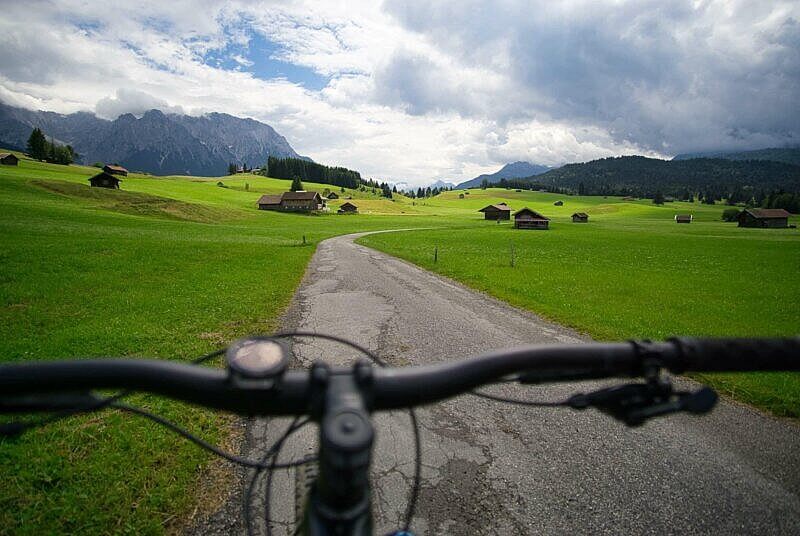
{"x": 393, "y": 388}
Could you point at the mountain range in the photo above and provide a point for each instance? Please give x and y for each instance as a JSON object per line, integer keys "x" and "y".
{"x": 158, "y": 143}
{"x": 514, "y": 170}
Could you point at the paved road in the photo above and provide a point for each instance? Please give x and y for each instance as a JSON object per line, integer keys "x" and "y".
{"x": 498, "y": 469}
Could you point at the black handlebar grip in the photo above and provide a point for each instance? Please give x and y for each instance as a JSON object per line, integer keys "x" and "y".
{"x": 738, "y": 355}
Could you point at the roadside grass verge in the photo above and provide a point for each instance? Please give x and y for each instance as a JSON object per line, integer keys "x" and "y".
{"x": 633, "y": 273}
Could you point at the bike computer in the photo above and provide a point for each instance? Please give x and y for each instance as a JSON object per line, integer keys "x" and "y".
{"x": 257, "y": 358}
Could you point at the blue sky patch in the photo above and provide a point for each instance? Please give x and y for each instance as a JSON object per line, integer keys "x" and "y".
{"x": 258, "y": 57}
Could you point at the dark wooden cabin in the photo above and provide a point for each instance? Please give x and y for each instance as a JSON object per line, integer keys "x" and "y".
{"x": 333, "y": 195}
{"x": 8, "y": 159}
{"x": 104, "y": 180}
{"x": 500, "y": 211}
{"x": 580, "y": 217}
{"x": 558, "y": 204}
{"x": 269, "y": 202}
{"x": 113, "y": 169}
{"x": 766, "y": 218}
{"x": 530, "y": 219}
{"x": 302, "y": 201}
{"x": 683, "y": 218}
{"x": 348, "y": 208}
{"x": 292, "y": 202}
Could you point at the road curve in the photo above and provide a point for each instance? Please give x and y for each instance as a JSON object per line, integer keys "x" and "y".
{"x": 490, "y": 468}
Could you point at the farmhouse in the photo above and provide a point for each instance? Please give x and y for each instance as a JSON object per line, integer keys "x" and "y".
{"x": 683, "y": 218}
{"x": 269, "y": 202}
{"x": 302, "y": 201}
{"x": 113, "y": 169}
{"x": 348, "y": 208}
{"x": 580, "y": 217}
{"x": 530, "y": 219}
{"x": 770, "y": 218}
{"x": 500, "y": 211}
{"x": 8, "y": 159}
{"x": 104, "y": 180}
{"x": 333, "y": 195}
{"x": 558, "y": 204}
{"x": 292, "y": 202}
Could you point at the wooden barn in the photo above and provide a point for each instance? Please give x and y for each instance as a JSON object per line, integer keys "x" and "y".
{"x": 302, "y": 201}
{"x": 8, "y": 159}
{"x": 113, "y": 169}
{"x": 333, "y": 195}
{"x": 765, "y": 218}
{"x": 500, "y": 211}
{"x": 530, "y": 219}
{"x": 348, "y": 208}
{"x": 292, "y": 202}
{"x": 558, "y": 204}
{"x": 104, "y": 180}
{"x": 683, "y": 218}
{"x": 269, "y": 202}
{"x": 580, "y": 217}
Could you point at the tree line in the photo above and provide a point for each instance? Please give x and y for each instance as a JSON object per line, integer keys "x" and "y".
{"x": 41, "y": 149}
{"x": 289, "y": 168}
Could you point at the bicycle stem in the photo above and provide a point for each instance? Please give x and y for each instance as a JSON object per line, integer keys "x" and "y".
{"x": 340, "y": 501}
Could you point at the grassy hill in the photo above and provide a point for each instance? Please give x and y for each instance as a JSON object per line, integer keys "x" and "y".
{"x": 173, "y": 267}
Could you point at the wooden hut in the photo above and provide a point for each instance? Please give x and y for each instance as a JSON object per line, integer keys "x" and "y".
{"x": 500, "y": 211}
{"x": 683, "y": 218}
{"x": 269, "y": 202}
{"x": 765, "y": 218}
{"x": 113, "y": 169}
{"x": 580, "y": 217}
{"x": 333, "y": 195}
{"x": 558, "y": 204}
{"x": 104, "y": 180}
{"x": 348, "y": 208}
{"x": 302, "y": 201}
{"x": 8, "y": 159}
{"x": 530, "y": 219}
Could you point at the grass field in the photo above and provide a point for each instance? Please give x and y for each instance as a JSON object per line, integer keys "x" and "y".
{"x": 165, "y": 267}
{"x": 630, "y": 272}
{"x": 173, "y": 267}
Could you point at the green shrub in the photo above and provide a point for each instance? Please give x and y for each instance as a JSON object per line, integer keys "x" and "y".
{"x": 730, "y": 214}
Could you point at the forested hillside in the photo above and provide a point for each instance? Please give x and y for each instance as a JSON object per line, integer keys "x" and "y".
{"x": 645, "y": 177}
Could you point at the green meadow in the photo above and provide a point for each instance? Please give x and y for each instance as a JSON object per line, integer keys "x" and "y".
{"x": 172, "y": 267}
{"x": 631, "y": 272}
{"x": 168, "y": 267}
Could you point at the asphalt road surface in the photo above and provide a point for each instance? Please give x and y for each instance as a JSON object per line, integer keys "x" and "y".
{"x": 491, "y": 468}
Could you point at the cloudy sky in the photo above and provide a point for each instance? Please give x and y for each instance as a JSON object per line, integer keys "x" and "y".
{"x": 414, "y": 91}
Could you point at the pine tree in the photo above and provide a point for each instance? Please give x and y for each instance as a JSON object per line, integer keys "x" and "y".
{"x": 37, "y": 144}
{"x": 296, "y": 184}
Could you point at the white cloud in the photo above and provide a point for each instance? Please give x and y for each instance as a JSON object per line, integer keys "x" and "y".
{"x": 420, "y": 91}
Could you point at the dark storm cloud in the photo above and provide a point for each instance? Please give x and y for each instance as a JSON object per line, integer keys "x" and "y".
{"x": 669, "y": 76}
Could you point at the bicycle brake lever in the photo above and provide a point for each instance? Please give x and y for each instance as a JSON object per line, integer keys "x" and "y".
{"x": 635, "y": 403}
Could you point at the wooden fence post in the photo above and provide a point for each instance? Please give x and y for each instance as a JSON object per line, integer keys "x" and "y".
{"x": 436, "y": 254}
{"x": 304, "y": 240}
